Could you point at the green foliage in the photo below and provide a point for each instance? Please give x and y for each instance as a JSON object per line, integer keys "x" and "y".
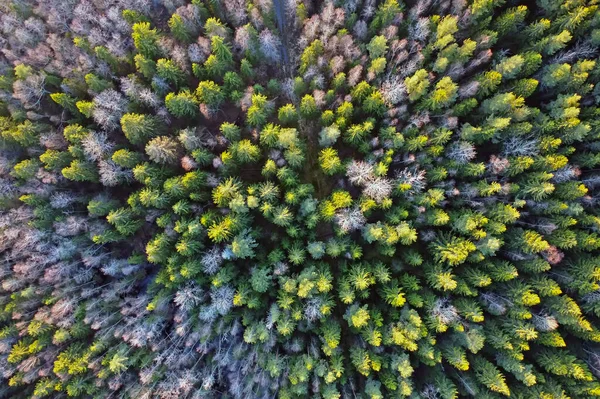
{"x": 310, "y": 55}
{"x": 259, "y": 110}
{"x": 330, "y": 161}
{"x": 374, "y": 104}
{"x": 377, "y": 47}
{"x": 417, "y": 85}
{"x": 25, "y": 169}
{"x": 245, "y": 152}
{"x": 139, "y": 128}
{"x": 146, "y": 66}
{"x": 403, "y": 205}
{"x": 81, "y": 171}
{"x": 54, "y": 160}
{"x": 145, "y": 39}
{"x": 209, "y": 93}
{"x": 126, "y": 158}
{"x": 287, "y": 114}
{"x": 308, "y": 107}
{"x": 97, "y": 84}
{"x": 230, "y": 131}
{"x": 182, "y": 104}
{"x": 124, "y": 221}
{"x": 452, "y": 250}
{"x": 25, "y": 133}
{"x": 169, "y": 71}
{"x": 179, "y": 29}
{"x": 443, "y": 95}
{"x": 490, "y": 376}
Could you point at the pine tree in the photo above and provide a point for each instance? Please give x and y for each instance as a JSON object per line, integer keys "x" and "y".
{"x": 258, "y": 111}
{"x": 139, "y": 128}
{"x": 329, "y": 161}
{"x": 377, "y": 47}
{"x": 417, "y": 85}
{"x": 452, "y": 250}
{"x": 308, "y": 107}
{"x": 145, "y": 39}
{"x": 179, "y": 29}
{"x": 287, "y": 114}
{"x": 183, "y": 104}
{"x": 230, "y": 131}
{"x": 488, "y": 375}
{"x": 163, "y": 149}
{"x": 81, "y": 171}
{"x": 209, "y": 93}
{"x": 245, "y": 152}
{"x": 25, "y": 169}
{"x": 170, "y": 72}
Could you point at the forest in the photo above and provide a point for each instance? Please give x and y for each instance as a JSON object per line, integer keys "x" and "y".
{"x": 285, "y": 199}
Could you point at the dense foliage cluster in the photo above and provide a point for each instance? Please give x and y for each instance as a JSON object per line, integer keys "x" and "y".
{"x": 295, "y": 198}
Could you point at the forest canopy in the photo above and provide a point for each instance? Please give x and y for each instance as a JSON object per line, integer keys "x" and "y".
{"x": 300, "y": 199}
